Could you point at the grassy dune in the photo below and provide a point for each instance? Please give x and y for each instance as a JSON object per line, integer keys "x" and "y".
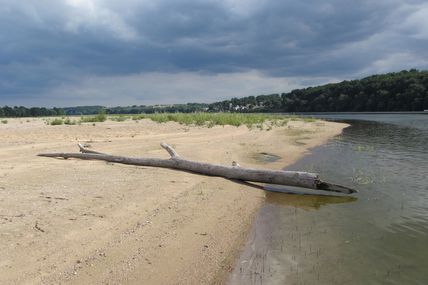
{"x": 260, "y": 121}
{"x": 212, "y": 119}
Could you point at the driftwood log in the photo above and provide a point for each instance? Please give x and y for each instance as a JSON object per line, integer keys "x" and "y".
{"x": 234, "y": 173}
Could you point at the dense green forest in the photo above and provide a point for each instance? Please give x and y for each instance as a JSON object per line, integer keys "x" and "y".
{"x": 399, "y": 91}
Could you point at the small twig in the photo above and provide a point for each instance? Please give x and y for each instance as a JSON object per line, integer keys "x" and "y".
{"x": 60, "y": 198}
{"x": 56, "y": 198}
{"x": 36, "y": 226}
{"x": 13, "y": 216}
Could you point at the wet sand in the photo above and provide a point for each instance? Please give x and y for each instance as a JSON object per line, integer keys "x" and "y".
{"x": 91, "y": 222}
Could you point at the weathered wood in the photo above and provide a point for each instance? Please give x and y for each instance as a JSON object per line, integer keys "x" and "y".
{"x": 234, "y": 173}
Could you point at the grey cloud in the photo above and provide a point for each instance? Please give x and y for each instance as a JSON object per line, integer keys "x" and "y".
{"x": 48, "y": 44}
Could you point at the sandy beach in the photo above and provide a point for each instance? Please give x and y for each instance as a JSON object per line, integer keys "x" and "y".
{"x": 91, "y": 222}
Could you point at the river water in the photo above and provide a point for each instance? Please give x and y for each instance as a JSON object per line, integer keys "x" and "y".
{"x": 377, "y": 236}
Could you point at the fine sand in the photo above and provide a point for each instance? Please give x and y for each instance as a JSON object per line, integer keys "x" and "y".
{"x": 91, "y": 222}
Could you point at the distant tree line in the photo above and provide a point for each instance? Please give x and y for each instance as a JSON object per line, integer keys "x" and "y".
{"x": 21, "y": 111}
{"x": 174, "y": 108}
{"x": 82, "y": 110}
{"x": 138, "y": 109}
{"x": 399, "y": 91}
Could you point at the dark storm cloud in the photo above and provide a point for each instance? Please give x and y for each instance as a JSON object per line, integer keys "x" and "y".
{"x": 49, "y": 48}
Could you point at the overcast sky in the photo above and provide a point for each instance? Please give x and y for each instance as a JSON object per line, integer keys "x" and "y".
{"x": 87, "y": 52}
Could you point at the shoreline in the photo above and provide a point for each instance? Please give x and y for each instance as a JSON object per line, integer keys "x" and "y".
{"x": 89, "y": 222}
{"x": 244, "y": 244}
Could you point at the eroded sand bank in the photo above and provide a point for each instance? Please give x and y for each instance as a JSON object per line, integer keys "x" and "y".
{"x": 90, "y": 222}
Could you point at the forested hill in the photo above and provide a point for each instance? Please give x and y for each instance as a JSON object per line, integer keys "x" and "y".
{"x": 400, "y": 91}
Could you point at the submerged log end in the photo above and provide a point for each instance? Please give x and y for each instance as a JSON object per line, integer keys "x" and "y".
{"x": 321, "y": 185}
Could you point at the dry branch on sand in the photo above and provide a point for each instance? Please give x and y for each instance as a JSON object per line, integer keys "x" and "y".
{"x": 234, "y": 173}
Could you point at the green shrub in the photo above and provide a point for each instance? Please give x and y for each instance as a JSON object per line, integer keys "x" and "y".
{"x": 100, "y": 117}
{"x": 67, "y": 121}
{"x": 56, "y": 122}
{"x": 119, "y": 118}
{"x": 4, "y": 121}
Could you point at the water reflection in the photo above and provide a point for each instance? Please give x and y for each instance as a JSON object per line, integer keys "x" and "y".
{"x": 308, "y": 201}
{"x": 379, "y": 238}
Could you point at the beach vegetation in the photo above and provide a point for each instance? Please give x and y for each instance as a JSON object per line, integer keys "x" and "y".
{"x": 56, "y": 122}
{"x": 68, "y": 121}
{"x": 260, "y": 121}
{"x": 119, "y": 118}
{"x": 100, "y": 117}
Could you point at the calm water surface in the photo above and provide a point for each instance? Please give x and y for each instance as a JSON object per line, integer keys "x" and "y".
{"x": 378, "y": 236}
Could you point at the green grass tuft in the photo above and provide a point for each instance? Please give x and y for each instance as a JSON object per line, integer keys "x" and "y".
{"x": 100, "y": 117}
{"x": 67, "y": 121}
{"x": 119, "y": 118}
{"x": 56, "y": 122}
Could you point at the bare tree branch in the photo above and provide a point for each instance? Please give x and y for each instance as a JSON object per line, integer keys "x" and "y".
{"x": 234, "y": 173}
